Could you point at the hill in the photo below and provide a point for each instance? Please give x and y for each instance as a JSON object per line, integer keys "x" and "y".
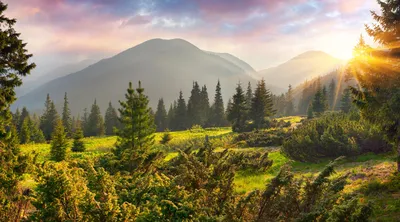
{"x": 300, "y": 68}
{"x": 163, "y": 66}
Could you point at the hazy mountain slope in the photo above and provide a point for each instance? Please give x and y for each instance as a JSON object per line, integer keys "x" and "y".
{"x": 31, "y": 82}
{"x": 163, "y": 66}
{"x": 235, "y": 60}
{"x": 300, "y": 68}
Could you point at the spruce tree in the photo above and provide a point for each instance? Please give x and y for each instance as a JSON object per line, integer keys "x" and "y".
{"x": 289, "y": 106}
{"x": 332, "y": 95}
{"x": 137, "y": 135}
{"x": 36, "y": 134}
{"x": 161, "y": 116}
{"x": 181, "y": 122}
{"x": 237, "y": 113}
{"x": 171, "y": 116}
{"x": 262, "y": 105}
{"x": 249, "y": 96}
{"x": 325, "y": 101}
{"x": 66, "y": 117}
{"x": 310, "y": 112}
{"x": 59, "y": 143}
{"x": 111, "y": 121}
{"x": 95, "y": 124}
{"x": 23, "y": 116}
{"x": 16, "y": 117}
{"x": 25, "y": 131}
{"x": 78, "y": 145}
{"x": 204, "y": 106}
{"x": 377, "y": 72}
{"x": 346, "y": 101}
{"x": 14, "y": 63}
{"x": 217, "y": 115}
{"x": 84, "y": 122}
{"x": 49, "y": 118}
{"x": 194, "y": 106}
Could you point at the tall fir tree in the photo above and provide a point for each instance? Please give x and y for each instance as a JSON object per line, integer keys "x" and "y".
{"x": 16, "y": 116}
{"x": 25, "y": 131}
{"x": 377, "y": 73}
{"x": 325, "y": 100}
{"x": 84, "y": 122}
{"x": 217, "y": 115}
{"x": 95, "y": 123}
{"x": 78, "y": 145}
{"x": 310, "y": 111}
{"x": 23, "y": 116}
{"x": 171, "y": 116}
{"x": 204, "y": 106}
{"x": 289, "y": 103}
{"x": 111, "y": 121}
{"x": 161, "y": 119}
{"x": 137, "y": 135}
{"x": 66, "y": 117}
{"x": 332, "y": 95}
{"x": 36, "y": 134}
{"x": 194, "y": 106}
{"x": 237, "y": 113}
{"x": 181, "y": 122}
{"x": 249, "y": 96}
{"x": 59, "y": 142}
{"x": 262, "y": 106}
{"x": 346, "y": 101}
{"x": 14, "y": 65}
{"x": 49, "y": 118}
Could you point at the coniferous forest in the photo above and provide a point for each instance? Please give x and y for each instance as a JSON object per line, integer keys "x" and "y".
{"x": 326, "y": 149}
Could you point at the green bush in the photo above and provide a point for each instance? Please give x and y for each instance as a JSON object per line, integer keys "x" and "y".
{"x": 334, "y": 135}
{"x": 262, "y": 138}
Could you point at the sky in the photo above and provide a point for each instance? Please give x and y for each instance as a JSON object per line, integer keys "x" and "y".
{"x": 263, "y": 33}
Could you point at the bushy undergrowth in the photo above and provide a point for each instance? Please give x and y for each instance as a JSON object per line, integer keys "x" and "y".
{"x": 262, "y": 138}
{"x": 334, "y": 135}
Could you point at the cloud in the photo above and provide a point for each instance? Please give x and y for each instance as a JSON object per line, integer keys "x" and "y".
{"x": 109, "y": 26}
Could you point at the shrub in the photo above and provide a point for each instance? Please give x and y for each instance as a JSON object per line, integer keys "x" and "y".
{"x": 262, "y": 138}
{"x": 334, "y": 135}
{"x": 166, "y": 137}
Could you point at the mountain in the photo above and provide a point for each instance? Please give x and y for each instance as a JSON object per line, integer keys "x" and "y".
{"x": 31, "y": 82}
{"x": 305, "y": 66}
{"x": 163, "y": 66}
{"x": 236, "y": 61}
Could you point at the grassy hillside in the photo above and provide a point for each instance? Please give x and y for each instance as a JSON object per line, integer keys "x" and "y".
{"x": 369, "y": 174}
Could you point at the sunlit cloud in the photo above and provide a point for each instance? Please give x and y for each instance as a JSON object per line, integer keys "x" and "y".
{"x": 262, "y": 32}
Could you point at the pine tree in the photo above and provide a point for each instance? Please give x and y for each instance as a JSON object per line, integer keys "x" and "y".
{"x": 217, "y": 115}
{"x": 325, "y": 101}
{"x": 181, "y": 122}
{"x": 59, "y": 143}
{"x": 66, "y": 117}
{"x": 36, "y": 134}
{"x": 332, "y": 95}
{"x": 262, "y": 105}
{"x": 161, "y": 116}
{"x": 346, "y": 101}
{"x": 49, "y": 118}
{"x": 137, "y": 135}
{"x": 84, "y": 122}
{"x": 95, "y": 124}
{"x": 78, "y": 145}
{"x": 14, "y": 63}
{"x": 204, "y": 106}
{"x": 111, "y": 121}
{"x": 16, "y": 117}
{"x": 377, "y": 72}
{"x": 23, "y": 116}
{"x": 289, "y": 106}
{"x": 310, "y": 112}
{"x": 25, "y": 131}
{"x": 249, "y": 96}
{"x": 194, "y": 106}
{"x": 171, "y": 116}
{"x": 237, "y": 113}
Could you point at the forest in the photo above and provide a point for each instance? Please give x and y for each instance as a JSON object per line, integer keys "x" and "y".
{"x": 326, "y": 151}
